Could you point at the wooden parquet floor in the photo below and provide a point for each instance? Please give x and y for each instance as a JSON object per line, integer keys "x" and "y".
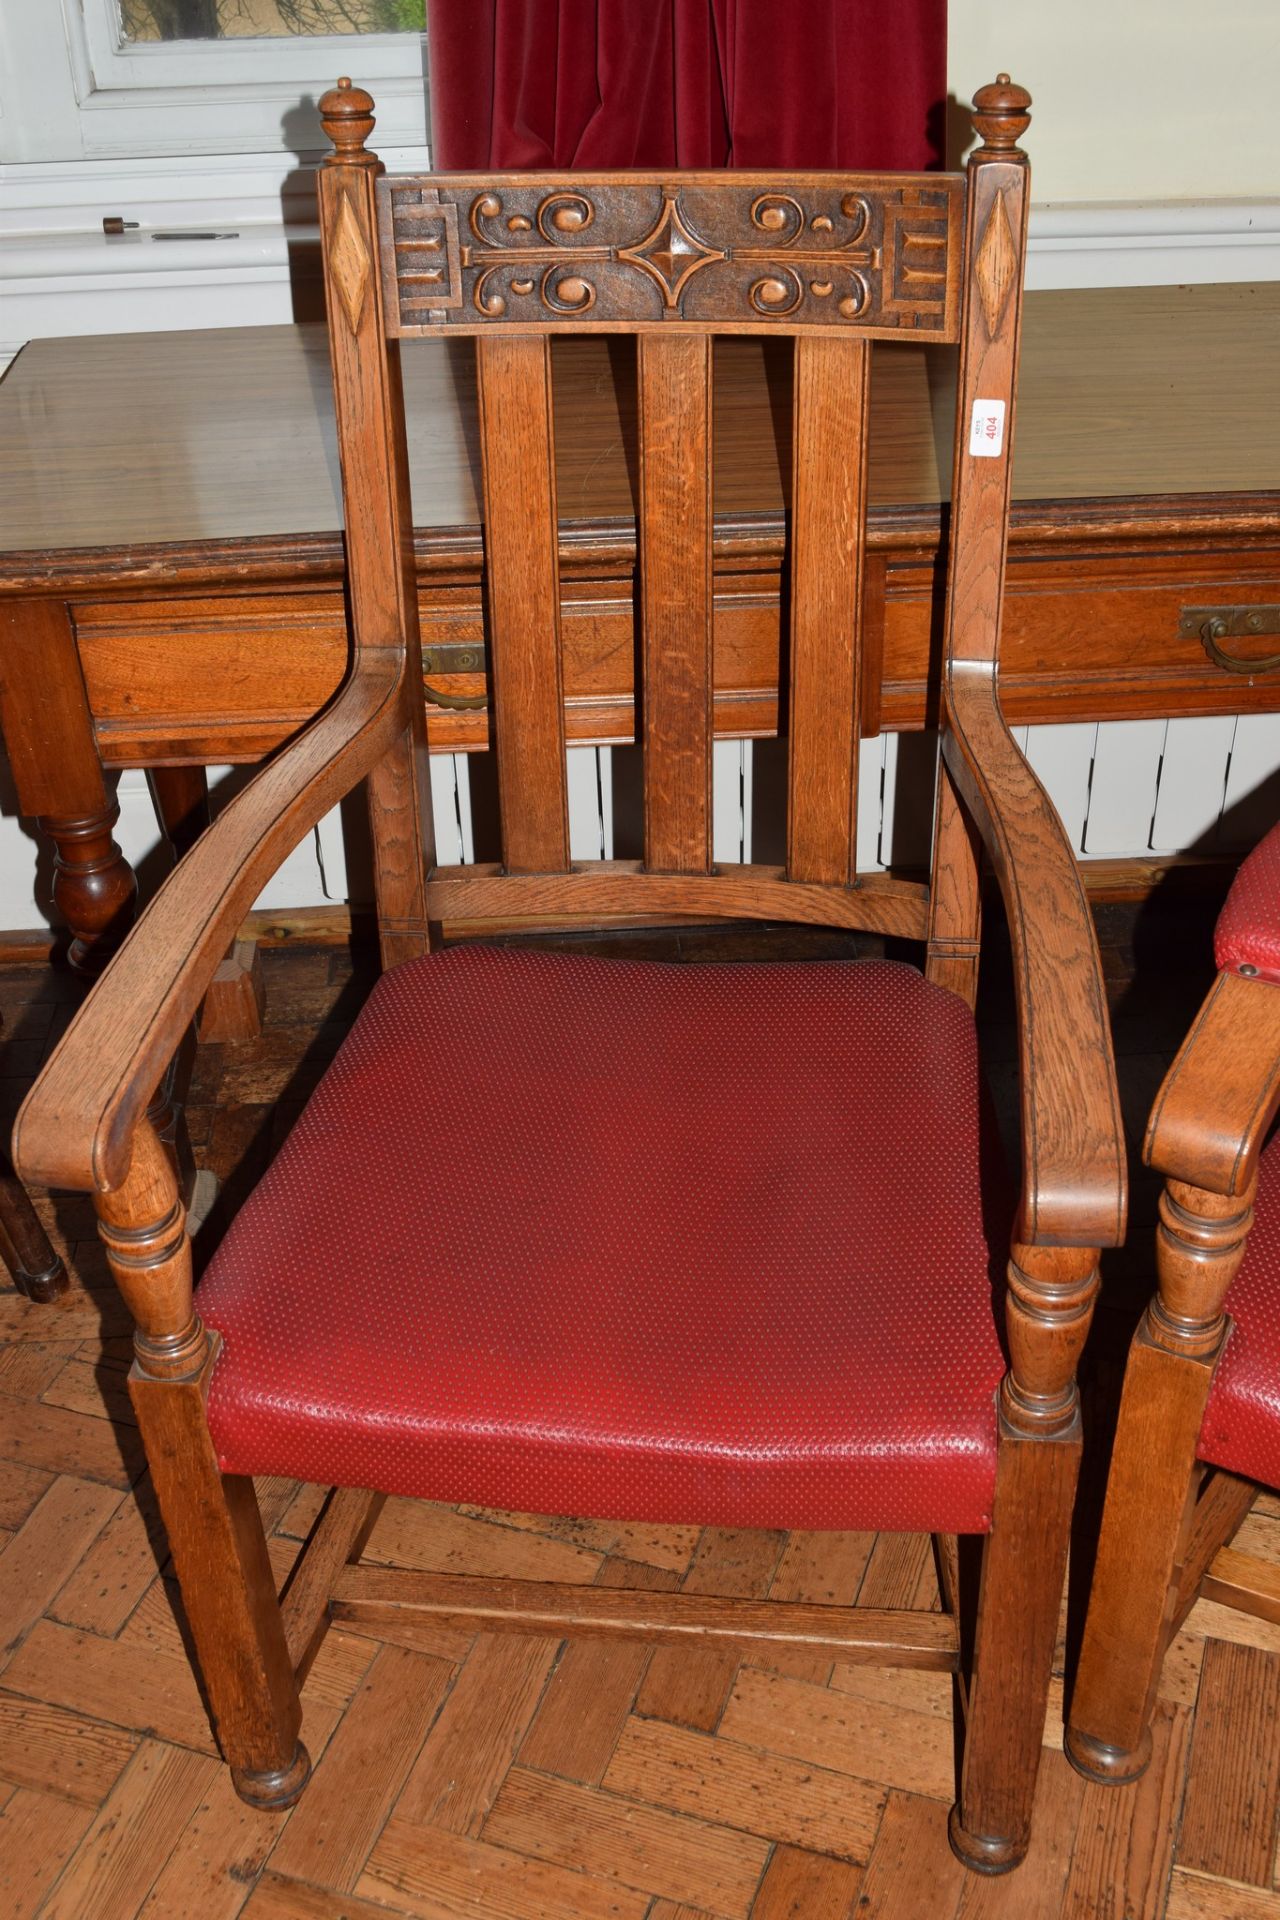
{"x": 524, "y": 1779}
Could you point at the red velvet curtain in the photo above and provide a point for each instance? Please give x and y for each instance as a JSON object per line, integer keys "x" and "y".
{"x": 854, "y": 84}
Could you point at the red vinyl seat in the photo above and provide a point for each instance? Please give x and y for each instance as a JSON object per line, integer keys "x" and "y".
{"x": 1241, "y": 1427}
{"x": 630, "y": 1240}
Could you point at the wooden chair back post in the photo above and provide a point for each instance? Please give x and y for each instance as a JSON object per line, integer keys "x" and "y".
{"x": 377, "y": 512}
{"x": 982, "y": 466}
{"x": 832, "y": 262}
{"x": 1051, "y": 1290}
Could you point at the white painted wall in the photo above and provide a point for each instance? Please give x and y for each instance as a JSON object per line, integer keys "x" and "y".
{"x": 1134, "y": 99}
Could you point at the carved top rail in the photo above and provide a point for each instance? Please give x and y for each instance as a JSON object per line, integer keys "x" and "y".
{"x": 878, "y": 254}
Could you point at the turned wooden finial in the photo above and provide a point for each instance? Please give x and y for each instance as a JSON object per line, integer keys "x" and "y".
{"x": 346, "y": 114}
{"x": 1000, "y": 115}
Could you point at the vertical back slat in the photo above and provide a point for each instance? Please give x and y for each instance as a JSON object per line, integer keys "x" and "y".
{"x": 676, "y": 599}
{"x": 523, "y": 584}
{"x": 832, "y": 381}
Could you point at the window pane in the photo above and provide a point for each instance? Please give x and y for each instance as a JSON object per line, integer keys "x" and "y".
{"x": 253, "y": 19}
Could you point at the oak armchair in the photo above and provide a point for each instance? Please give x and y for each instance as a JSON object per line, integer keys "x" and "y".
{"x": 638, "y": 1295}
{"x": 1199, "y": 1424}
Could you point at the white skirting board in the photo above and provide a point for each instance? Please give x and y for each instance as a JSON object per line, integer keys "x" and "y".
{"x": 1125, "y": 789}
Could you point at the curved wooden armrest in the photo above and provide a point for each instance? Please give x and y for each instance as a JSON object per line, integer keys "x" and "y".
{"x": 1074, "y": 1172}
{"x": 76, "y": 1126}
{"x": 1222, "y": 1092}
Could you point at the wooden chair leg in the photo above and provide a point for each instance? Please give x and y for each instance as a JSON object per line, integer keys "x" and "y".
{"x": 1151, "y": 1487}
{"x": 37, "y": 1270}
{"x": 1024, "y": 1566}
{"x": 228, "y": 1594}
{"x": 212, "y": 1519}
{"x": 1051, "y": 1295}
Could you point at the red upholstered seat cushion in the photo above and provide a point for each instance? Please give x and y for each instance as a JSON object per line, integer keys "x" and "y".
{"x": 1248, "y": 930}
{"x": 628, "y": 1240}
{"x": 1241, "y": 1428}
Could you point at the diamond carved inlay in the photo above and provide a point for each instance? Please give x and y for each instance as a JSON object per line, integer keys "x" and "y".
{"x": 349, "y": 263}
{"x": 671, "y": 253}
{"x": 996, "y": 265}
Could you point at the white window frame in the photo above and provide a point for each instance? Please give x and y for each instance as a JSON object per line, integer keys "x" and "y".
{"x": 69, "y": 89}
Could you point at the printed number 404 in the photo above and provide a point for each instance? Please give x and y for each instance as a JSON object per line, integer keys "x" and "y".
{"x": 986, "y": 429}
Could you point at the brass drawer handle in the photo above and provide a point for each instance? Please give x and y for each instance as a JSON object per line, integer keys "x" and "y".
{"x": 466, "y": 702}
{"x": 452, "y": 656}
{"x": 1216, "y": 624}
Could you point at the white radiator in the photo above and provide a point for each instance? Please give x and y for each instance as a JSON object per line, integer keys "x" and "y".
{"x": 1125, "y": 789}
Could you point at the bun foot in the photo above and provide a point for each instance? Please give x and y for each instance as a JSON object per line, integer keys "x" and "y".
{"x": 275, "y": 1791}
{"x": 46, "y": 1286}
{"x": 1112, "y": 1766}
{"x": 983, "y": 1854}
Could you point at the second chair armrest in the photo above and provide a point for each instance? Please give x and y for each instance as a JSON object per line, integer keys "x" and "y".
{"x": 1074, "y": 1169}
{"x": 1222, "y": 1092}
{"x": 1247, "y": 937}
{"x": 76, "y": 1126}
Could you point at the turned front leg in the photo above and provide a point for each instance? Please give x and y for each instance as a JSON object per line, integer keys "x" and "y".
{"x": 212, "y": 1519}
{"x": 1152, "y": 1483}
{"x": 1048, "y": 1312}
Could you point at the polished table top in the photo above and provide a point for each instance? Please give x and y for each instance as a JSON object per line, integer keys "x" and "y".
{"x": 133, "y": 440}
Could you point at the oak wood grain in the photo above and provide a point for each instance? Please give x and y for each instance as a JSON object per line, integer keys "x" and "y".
{"x": 1218, "y": 1099}
{"x": 1233, "y": 1773}
{"x": 1221, "y": 1506}
{"x": 434, "y": 1875}
{"x": 1074, "y": 1170}
{"x": 690, "y": 1684}
{"x": 676, "y": 600}
{"x": 592, "y": 1690}
{"x": 364, "y": 1767}
{"x": 1125, "y": 1840}
{"x": 704, "y": 1864}
{"x": 881, "y": 903}
{"x": 367, "y": 1594}
{"x": 1243, "y": 1581}
{"x": 477, "y": 1734}
{"x": 524, "y": 601}
{"x": 824, "y": 718}
{"x": 713, "y": 1778}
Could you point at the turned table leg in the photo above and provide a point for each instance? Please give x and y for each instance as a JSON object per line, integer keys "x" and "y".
{"x": 48, "y": 730}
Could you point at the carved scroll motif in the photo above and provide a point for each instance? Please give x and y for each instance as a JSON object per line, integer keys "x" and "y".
{"x": 879, "y": 254}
